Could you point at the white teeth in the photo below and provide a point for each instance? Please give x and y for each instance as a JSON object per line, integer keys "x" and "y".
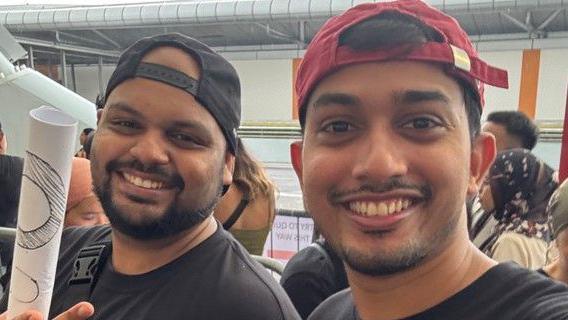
{"x": 392, "y": 207}
{"x": 144, "y": 183}
{"x": 382, "y": 208}
{"x": 147, "y": 184}
{"x": 371, "y": 209}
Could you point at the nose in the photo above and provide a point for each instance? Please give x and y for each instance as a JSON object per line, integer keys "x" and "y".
{"x": 151, "y": 149}
{"x": 380, "y": 156}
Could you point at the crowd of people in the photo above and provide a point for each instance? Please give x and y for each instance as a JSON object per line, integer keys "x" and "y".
{"x": 423, "y": 212}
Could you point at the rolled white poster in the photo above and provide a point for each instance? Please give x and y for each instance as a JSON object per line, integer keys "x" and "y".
{"x": 43, "y": 197}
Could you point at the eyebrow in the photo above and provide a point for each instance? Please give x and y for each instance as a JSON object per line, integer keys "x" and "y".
{"x": 179, "y": 124}
{"x": 121, "y": 106}
{"x": 344, "y": 99}
{"x": 409, "y": 97}
{"x": 189, "y": 125}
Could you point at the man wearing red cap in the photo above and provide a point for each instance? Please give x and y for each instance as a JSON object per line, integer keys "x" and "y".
{"x": 390, "y": 98}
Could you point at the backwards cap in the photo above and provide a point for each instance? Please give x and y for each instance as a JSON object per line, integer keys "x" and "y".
{"x": 325, "y": 55}
{"x": 217, "y": 89}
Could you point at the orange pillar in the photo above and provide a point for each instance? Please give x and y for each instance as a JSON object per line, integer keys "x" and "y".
{"x": 529, "y": 82}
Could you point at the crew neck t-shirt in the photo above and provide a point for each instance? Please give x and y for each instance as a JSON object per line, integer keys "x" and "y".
{"x": 215, "y": 280}
{"x": 504, "y": 292}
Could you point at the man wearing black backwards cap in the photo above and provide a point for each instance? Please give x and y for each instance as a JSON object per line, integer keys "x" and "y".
{"x": 161, "y": 156}
{"x": 390, "y": 96}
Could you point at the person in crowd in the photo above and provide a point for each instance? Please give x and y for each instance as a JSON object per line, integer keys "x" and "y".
{"x": 163, "y": 153}
{"x": 312, "y": 275}
{"x": 11, "y": 168}
{"x": 3, "y": 141}
{"x": 88, "y": 144}
{"x": 558, "y": 211}
{"x": 83, "y": 206}
{"x": 83, "y": 140}
{"x": 390, "y": 96}
{"x": 248, "y": 208}
{"x": 516, "y": 193}
{"x": 512, "y": 129}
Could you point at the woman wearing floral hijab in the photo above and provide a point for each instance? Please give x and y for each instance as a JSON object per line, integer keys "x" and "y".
{"x": 516, "y": 193}
{"x": 558, "y": 211}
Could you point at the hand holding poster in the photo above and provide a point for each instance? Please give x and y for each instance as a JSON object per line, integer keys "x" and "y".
{"x": 45, "y": 184}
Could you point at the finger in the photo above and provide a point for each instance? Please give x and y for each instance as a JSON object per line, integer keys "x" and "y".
{"x": 80, "y": 311}
{"x": 28, "y": 315}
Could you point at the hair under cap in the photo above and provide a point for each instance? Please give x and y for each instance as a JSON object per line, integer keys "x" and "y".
{"x": 217, "y": 89}
{"x": 325, "y": 54}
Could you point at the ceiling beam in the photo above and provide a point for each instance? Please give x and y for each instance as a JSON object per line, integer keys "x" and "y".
{"x": 107, "y": 39}
{"x": 515, "y": 21}
{"x": 549, "y": 19}
{"x": 67, "y": 47}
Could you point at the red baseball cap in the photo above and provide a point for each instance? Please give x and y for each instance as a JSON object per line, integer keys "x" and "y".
{"x": 324, "y": 54}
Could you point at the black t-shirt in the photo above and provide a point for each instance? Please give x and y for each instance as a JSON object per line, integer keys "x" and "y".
{"x": 505, "y": 292}
{"x": 311, "y": 276}
{"x": 215, "y": 280}
{"x": 10, "y": 182}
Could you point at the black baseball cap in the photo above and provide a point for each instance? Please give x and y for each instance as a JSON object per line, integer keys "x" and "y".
{"x": 217, "y": 89}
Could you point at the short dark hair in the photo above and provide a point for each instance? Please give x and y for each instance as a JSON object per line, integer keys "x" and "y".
{"x": 517, "y": 124}
{"x": 88, "y": 143}
{"x": 393, "y": 29}
{"x": 86, "y": 131}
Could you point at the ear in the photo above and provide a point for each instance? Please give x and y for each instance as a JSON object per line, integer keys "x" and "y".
{"x": 228, "y": 168}
{"x": 296, "y": 156}
{"x": 99, "y": 115}
{"x": 482, "y": 156}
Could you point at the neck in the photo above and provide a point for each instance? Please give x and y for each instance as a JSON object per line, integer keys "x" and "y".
{"x": 557, "y": 271}
{"x": 133, "y": 256}
{"x": 410, "y": 292}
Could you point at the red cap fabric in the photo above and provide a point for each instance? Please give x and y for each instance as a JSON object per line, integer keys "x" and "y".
{"x": 324, "y": 55}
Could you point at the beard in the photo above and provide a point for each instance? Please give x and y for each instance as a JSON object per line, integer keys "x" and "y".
{"x": 173, "y": 221}
{"x": 408, "y": 256}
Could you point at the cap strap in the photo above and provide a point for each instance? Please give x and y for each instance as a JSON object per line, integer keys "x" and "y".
{"x": 167, "y": 75}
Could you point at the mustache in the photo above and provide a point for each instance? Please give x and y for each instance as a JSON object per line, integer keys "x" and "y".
{"x": 391, "y": 184}
{"x": 171, "y": 178}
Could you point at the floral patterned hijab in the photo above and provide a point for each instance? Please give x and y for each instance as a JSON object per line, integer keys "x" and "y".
{"x": 521, "y": 185}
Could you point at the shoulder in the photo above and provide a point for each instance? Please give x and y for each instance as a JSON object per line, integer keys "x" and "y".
{"x": 86, "y": 234}
{"x": 11, "y": 165}
{"x": 74, "y": 239}
{"x": 245, "y": 274}
{"x": 339, "y": 306}
{"x": 512, "y": 237}
{"x": 308, "y": 260}
{"x": 541, "y": 297}
{"x": 526, "y": 251}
